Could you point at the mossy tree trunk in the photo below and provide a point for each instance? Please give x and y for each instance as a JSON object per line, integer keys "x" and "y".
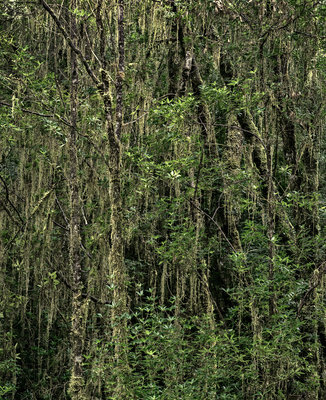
{"x": 172, "y": 148}
{"x": 76, "y": 384}
{"x": 117, "y": 268}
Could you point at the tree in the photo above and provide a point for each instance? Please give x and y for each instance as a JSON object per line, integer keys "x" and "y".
{"x": 162, "y": 199}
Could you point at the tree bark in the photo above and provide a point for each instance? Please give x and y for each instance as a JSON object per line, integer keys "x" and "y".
{"x": 116, "y": 256}
{"x": 76, "y": 384}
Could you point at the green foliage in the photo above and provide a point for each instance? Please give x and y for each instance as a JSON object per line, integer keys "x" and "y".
{"x": 222, "y": 194}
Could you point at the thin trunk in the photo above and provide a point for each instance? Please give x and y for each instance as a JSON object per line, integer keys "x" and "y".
{"x": 232, "y": 159}
{"x": 271, "y": 230}
{"x": 76, "y": 384}
{"x": 116, "y": 256}
{"x": 177, "y": 53}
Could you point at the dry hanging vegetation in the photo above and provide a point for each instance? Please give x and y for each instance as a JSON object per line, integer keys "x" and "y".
{"x": 162, "y": 199}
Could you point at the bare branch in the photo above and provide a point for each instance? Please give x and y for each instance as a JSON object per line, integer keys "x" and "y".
{"x": 71, "y": 44}
{"x": 215, "y": 223}
{"x": 9, "y": 201}
{"x": 24, "y": 110}
{"x": 2, "y": 103}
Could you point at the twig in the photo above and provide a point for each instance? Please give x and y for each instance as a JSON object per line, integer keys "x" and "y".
{"x": 291, "y": 20}
{"x": 100, "y": 152}
{"x": 198, "y": 175}
{"x": 321, "y": 271}
{"x": 84, "y": 295}
{"x": 215, "y": 223}
{"x": 244, "y": 130}
{"x": 14, "y": 237}
{"x": 71, "y": 44}
{"x": 9, "y": 201}
{"x": 8, "y": 212}
{"x": 60, "y": 226}
{"x": 137, "y": 119}
{"x": 2, "y": 103}
{"x": 61, "y": 209}
{"x": 86, "y": 252}
{"x": 24, "y": 110}
{"x": 217, "y": 308}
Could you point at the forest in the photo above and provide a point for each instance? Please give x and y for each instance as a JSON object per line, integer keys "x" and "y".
{"x": 162, "y": 199}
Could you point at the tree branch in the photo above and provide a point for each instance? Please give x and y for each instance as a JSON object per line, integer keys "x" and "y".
{"x": 71, "y": 44}
{"x": 84, "y": 295}
{"x": 9, "y": 201}
{"x": 215, "y": 223}
{"x": 321, "y": 271}
{"x": 24, "y": 110}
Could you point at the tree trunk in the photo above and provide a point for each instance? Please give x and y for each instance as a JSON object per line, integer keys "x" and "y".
{"x": 116, "y": 257}
{"x": 76, "y": 384}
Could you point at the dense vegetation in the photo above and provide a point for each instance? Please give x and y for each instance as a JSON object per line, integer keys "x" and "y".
{"x": 162, "y": 199}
